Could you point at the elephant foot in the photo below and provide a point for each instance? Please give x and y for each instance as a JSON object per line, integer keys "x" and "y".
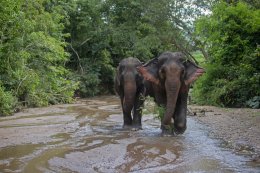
{"x": 132, "y": 127}
{"x": 179, "y": 131}
{"x": 136, "y": 127}
{"x": 127, "y": 126}
{"x": 167, "y": 133}
{"x": 180, "y": 128}
{"x": 167, "y": 130}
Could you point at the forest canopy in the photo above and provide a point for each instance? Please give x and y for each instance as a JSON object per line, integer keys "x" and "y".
{"x": 52, "y": 50}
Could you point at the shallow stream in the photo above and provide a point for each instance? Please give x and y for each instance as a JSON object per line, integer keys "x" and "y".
{"x": 88, "y": 137}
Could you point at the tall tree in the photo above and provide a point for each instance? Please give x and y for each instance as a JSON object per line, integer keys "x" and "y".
{"x": 104, "y": 32}
{"x": 89, "y": 46}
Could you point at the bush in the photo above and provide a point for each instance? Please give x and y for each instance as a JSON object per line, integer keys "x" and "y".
{"x": 226, "y": 86}
{"x": 7, "y": 102}
{"x": 88, "y": 85}
{"x": 254, "y": 102}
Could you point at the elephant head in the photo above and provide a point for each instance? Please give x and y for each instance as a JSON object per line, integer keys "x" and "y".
{"x": 170, "y": 76}
{"x": 129, "y": 86}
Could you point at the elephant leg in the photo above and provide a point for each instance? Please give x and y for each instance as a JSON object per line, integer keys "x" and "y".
{"x": 180, "y": 113}
{"x": 126, "y": 115}
{"x": 127, "y": 119}
{"x": 137, "y": 112}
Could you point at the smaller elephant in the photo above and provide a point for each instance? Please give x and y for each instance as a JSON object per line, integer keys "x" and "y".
{"x": 129, "y": 85}
{"x": 167, "y": 79}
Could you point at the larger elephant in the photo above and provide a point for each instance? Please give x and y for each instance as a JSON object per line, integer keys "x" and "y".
{"x": 168, "y": 78}
{"x": 129, "y": 85}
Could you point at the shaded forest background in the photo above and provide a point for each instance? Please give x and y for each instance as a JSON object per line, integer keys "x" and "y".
{"x": 53, "y": 50}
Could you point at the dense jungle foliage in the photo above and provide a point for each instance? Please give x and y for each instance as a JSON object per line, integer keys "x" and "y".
{"x": 232, "y": 35}
{"x": 52, "y": 50}
{"x": 32, "y": 42}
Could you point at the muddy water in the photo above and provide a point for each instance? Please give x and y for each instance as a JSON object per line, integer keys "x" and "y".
{"x": 87, "y": 137}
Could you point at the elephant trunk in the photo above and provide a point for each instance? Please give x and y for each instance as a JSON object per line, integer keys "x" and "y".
{"x": 129, "y": 94}
{"x": 180, "y": 112}
{"x": 172, "y": 86}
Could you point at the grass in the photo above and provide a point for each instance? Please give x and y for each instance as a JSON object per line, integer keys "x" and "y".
{"x": 151, "y": 108}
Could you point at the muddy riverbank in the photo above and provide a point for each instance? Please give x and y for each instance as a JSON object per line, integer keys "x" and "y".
{"x": 88, "y": 137}
{"x": 239, "y": 128}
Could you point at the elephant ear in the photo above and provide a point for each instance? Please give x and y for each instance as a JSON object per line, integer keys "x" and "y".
{"x": 147, "y": 75}
{"x": 192, "y": 72}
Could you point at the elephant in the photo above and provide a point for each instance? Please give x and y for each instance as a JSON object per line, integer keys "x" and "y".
{"x": 129, "y": 85}
{"x": 167, "y": 79}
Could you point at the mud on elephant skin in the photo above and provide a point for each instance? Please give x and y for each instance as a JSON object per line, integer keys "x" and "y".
{"x": 167, "y": 80}
{"x": 129, "y": 85}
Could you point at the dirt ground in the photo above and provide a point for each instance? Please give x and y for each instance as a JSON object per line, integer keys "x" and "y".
{"x": 238, "y": 127}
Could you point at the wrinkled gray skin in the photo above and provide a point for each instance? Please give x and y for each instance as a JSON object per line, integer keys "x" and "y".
{"x": 129, "y": 85}
{"x": 167, "y": 80}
